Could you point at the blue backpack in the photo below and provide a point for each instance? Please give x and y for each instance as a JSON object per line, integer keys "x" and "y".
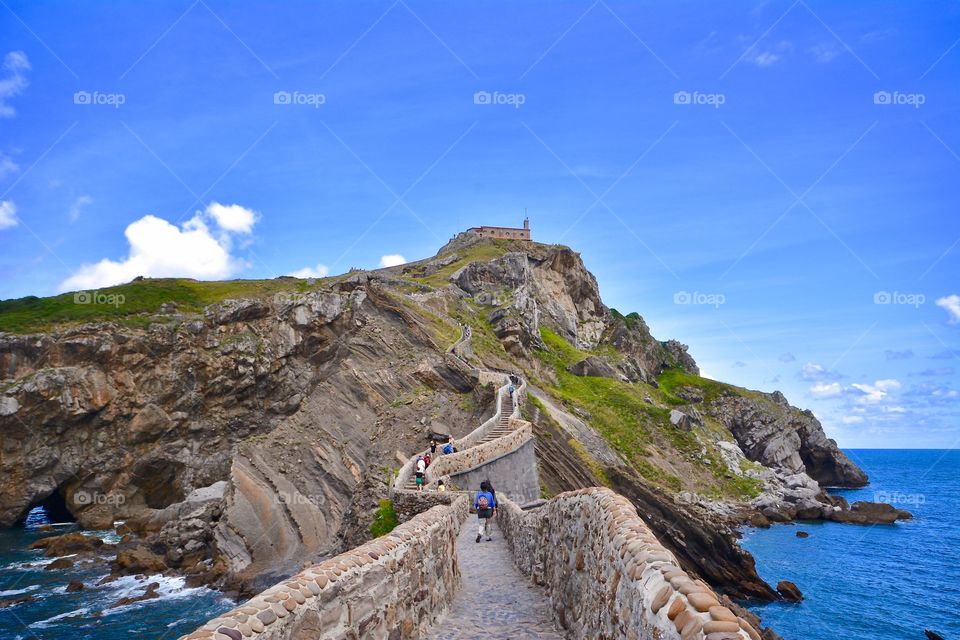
{"x": 448, "y": 448}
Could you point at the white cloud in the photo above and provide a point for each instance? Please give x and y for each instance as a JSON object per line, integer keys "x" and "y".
{"x": 7, "y": 166}
{"x": 77, "y": 207}
{"x": 8, "y": 214}
{"x": 813, "y": 371}
{"x": 825, "y": 52}
{"x": 851, "y": 419}
{"x": 15, "y": 66}
{"x": 826, "y": 390}
{"x": 159, "y": 249}
{"x": 233, "y": 217}
{"x": 767, "y": 59}
{"x": 392, "y": 260}
{"x": 319, "y": 271}
{"x": 952, "y": 305}
{"x": 873, "y": 393}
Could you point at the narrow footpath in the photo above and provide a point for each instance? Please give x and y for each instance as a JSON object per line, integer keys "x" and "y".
{"x": 496, "y": 601}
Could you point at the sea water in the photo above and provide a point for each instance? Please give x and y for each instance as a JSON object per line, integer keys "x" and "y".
{"x": 876, "y": 582}
{"x": 87, "y": 614}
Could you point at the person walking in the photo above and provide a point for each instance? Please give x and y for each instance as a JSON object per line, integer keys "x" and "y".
{"x": 421, "y": 468}
{"x": 433, "y": 447}
{"x": 427, "y": 459}
{"x": 485, "y": 505}
{"x": 440, "y": 486}
{"x": 448, "y": 448}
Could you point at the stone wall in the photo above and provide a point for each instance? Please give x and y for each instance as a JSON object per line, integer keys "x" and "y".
{"x": 466, "y": 459}
{"x": 395, "y": 586}
{"x": 608, "y": 576}
{"x": 513, "y": 474}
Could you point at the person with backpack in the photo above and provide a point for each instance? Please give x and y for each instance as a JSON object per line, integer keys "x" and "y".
{"x": 427, "y": 459}
{"x": 448, "y": 448}
{"x": 485, "y": 505}
{"x": 421, "y": 468}
{"x": 440, "y": 486}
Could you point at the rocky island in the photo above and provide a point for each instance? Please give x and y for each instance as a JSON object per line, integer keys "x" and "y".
{"x": 238, "y": 432}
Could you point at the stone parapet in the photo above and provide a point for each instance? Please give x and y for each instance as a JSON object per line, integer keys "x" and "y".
{"x": 607, "y": 574}
{"x": 394, "y": 586}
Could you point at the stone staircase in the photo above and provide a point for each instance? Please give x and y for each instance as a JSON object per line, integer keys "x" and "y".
{"x": 500, "y": 429}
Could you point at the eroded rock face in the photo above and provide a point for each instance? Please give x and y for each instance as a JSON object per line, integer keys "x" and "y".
{"x": 284, "y": 410}
{"x": 782, "y": 437}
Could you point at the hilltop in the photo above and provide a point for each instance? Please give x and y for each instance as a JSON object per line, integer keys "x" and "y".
{"x": 243, "y": 428}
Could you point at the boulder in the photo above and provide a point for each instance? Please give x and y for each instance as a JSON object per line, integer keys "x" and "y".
{"x": 789, "y": 591}
{"x": 135, "y": 561}
{"x": 594, "y": 367}
{"x": 67, "y": 544}
{"x": 680, "y": 420}
{"x": 59, "y": 563}
{"x": 148, "y": 594}
{"x": 75, "y": 585}
{"x": 870, "y": 513}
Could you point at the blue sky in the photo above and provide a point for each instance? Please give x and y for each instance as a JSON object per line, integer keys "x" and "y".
{"x": 731, "y": 172}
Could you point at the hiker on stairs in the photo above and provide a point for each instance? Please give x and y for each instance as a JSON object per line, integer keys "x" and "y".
{"x": 485, "y": 505}
{"x": 421, "y": 468}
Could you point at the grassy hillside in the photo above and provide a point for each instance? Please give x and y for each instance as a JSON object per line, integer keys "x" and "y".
{"x": 131, "y": 303}
{"x": 641, "y": 431}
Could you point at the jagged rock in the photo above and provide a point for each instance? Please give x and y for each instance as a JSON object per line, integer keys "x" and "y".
{"x": 593, "y": 366}
{"x": 803, "y": 534}
{"x": 75, "y": 585}
{"x": 786, "y": 439}
{"x": 680, "y": 420}
{"x": 789, "y": 591}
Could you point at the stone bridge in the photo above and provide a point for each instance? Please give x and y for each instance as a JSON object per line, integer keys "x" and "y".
{"x": 582, "y": 565}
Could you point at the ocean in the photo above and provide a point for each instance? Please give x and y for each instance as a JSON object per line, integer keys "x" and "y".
{"x": 86, "y": 614}
{"x": 873, "y": 582}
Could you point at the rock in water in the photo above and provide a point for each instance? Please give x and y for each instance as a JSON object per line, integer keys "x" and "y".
{"x": 932, "y": 635}
{"x": 789, "y": 591}
{"x": 803, "y": 534}
{"x": 74, "y": 586}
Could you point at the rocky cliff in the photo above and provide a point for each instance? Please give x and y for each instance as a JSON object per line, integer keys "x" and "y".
{"x": 254, "y": 431}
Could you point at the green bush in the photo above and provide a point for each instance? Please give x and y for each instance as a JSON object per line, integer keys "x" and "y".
{"x": 384, "y": 520}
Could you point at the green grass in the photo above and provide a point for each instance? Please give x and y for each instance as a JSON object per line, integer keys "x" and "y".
{"x": 132, "y": 303}
{"x": 384, "y": 520}
{"x": 482, "y": 251}
{"x": 672, "y": 379}
{"x": 642, "y": 432}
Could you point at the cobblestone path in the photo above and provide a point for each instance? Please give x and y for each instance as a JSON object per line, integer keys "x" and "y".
{"x": 496, "y": 601}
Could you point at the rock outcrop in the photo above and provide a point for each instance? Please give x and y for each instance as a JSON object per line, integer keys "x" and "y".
{"x": 774, "y": 433}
